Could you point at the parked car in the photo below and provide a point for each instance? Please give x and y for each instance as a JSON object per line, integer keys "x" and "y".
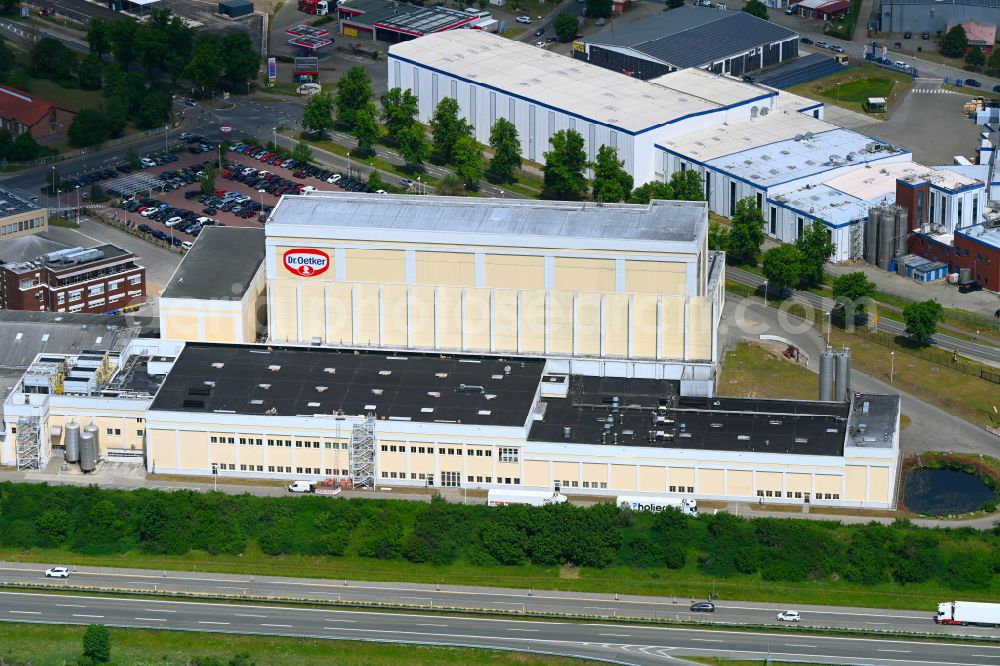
{"x": 187, "y": 245}
{"x": 789, "y": 616}
{"x": 925, "y": 35}
{"x": 145, "y": 228}
{"x": 791, "y": 10}
{"x": 968, "y": 287}
{"x": 703, "y": 607}
{"x": 526, "y": 20}
{"x": 973, "y": 83}
{"x": 837, "y": 48}
{"x": 806, "y": 40}
{"x": 907, "y": 35}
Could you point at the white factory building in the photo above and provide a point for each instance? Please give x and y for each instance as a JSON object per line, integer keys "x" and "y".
{"x": 745, "y": 139}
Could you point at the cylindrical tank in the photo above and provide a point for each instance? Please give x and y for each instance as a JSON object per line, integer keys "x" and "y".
{"x": 964, "y": 274}
{"x": 886, "y": 232}
{"x": 902, "y": 231}
{"x": 88, "y": 451}
{"x": 843, "y": 374}
{"x": 871, "y": 236}
{"x": 72, "y": 441}
{"x": 826, "y": 375}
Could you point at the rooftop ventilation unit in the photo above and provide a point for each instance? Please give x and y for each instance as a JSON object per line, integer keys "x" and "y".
{"x": 470, "y": 388}
{"x": 274, "y": 368}
{"x": 218, "y": 365}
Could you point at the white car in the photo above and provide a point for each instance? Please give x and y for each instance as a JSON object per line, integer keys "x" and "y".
{"x": 789, "y": 616}
{"x": 187, "y": 245}
{"x": 185, "y": 135}
{"x": 57, "y": 572}
{"x": 147, "y": 163}
{"x": 334, "y": 178}
{"x": 523, "y": 19}
{"x": 172, "y": 221}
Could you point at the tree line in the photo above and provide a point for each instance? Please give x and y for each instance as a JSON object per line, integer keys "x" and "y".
{"x": 453, "y": 143}
{"x": 94, "y": 521}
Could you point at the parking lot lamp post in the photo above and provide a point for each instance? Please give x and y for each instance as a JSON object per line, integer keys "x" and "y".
{"x": 166, "y": 139}
{"x": 261, "y": 200}
{"x": 892, "y": 365}
{"x": 274, "y": 137}
{"x": 349, "y": 164}
{"x": 54, "y": 188}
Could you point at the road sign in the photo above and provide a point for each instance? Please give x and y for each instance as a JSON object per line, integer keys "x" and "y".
{"x": 272, "y": 69}
{"x": 225, "y": 129}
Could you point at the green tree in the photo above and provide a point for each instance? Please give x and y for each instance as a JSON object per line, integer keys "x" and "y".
{"x": 317, "y": 115}
{"x": 756, "y": 8}
{"x": 413, "y": 145}
{"x": 302, "y": 152}
{"x": 51, "y": 526}
{"x": 599, "y": 8}
{"x": 7, "y": 60}
{"x": 99, "y": 37}
{"x": 241, "y": 62}
{"x": 566, "y": 27}
{"x": 151, "y": 47}
{"x": 687, "y": 185}
{"x": 975, "y": 58}
{"x": 132, "y": 159}
{"x": 116, "y": 114}
{"x": 654, "y": 189}
{"x": 922, "y": 319}
{"x": 564, "y": 167}
{"x": 88, "y": 128}
{"x": 122, "y": 36}
{"x": 50, "y": 58}
{"x": 204, "y": 69}
{"x": 447, "y": 126}
{"x": 746, "y": 234}
{"x": 612, "y": 183}
{"x": 506, "y": 145}
{"x": 97, "y": 193}
{"x": 718, "y": 236}
{"x": 154, "y": 110}
{"x": 97, "y": 644}
{"x": 853, "y": 292}
{"x": 354, "y": 95}
{"x": 89, "y": 73}
{"x": 467, "y": 156}
{"x": 399, "y": 111}
{"x": 25, "y": 147}
{"x": 993, "y": 64}
{"x": 955, "y": 42}
{"x": 375, "y": 182}
{"x": 207, "y": 179}
{"x": 365, "y": 128}
{"x": 816, "y": 245}
{"x": 451, "y": 186}
{"x": 782, "y": 267}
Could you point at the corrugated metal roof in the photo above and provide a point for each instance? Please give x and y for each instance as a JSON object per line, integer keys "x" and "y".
{"x": 431, "y": 217}
{"x": 694, "y": 36}
{"x": 220, "y": 266}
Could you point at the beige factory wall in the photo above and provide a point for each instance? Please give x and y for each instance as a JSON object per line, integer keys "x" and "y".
{"x": 511, "y": 311}
{"x": 740, "y": 483}
{"x": 878, "y": 488}
{"x": 856, "y": 483}
{"x": 179, "y": 325}
{"x": 710, "y": 482}
{"x": 652, "y": 479}
{"x": 828, "y": 483}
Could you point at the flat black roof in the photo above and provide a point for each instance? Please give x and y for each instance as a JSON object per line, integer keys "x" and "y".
{"x": 713, "y": 424}
{"x": 693, "y": 36}
{"x": 220, "y": 266}
{"x": 294, "y": 381}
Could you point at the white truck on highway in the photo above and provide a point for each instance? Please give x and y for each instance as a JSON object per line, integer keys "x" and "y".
{"x": 689, "y": 507}
{"x": 968, "y": 612}
{"x": 530, "y": 497}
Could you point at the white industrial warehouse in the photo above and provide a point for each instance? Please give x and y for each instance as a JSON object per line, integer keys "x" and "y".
{"x": 745, "y": 139}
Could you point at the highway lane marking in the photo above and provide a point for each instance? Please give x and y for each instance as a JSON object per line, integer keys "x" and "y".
{"x": 901, "y": 651}
{"x": 516, "y": 629}
{"x": 707, "y": 640}
{"x": 616, "y": 635}
{"x": 26, "y": 612}
{"x": 275, "y": 625}
{"x": 159, "y": 610}
{"x": 78, "y": 615}
{"x": 151, "y": 619}
{"x": 239, "y": 614}
{"x": 207, "y": 622}
{"x": 798, "y": 645}
{"x": 461, "y": 592}
{"x": 427, "y": 624}
{"x": 70, "y": 606}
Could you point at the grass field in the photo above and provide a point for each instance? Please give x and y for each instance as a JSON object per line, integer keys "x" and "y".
{"x": 46, "y": 645}
{"x": 751, "y": 371}
{"x": 70, "y": 98}
{"x": 852, "y": 87}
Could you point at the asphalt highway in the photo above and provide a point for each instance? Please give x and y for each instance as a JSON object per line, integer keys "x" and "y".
{"x": 627, "y": 644}
{"x": 987, "y": 352}
{"x": 430, "y": 596}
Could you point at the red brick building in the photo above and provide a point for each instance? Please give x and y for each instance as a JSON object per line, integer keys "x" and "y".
{"x": 95, "y": 280}
{"x": 22, "y": 112}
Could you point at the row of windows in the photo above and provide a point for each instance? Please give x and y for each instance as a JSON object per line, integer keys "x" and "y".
{"x": 681, "y": 489}
{"x": 258, "y": 441}
{"x": 797, "y": 495}
{"x": 584, "y": 484}
{"x": 117, "y": 432}
{"x": 506, "y": 455}
{"x": 415, "y": 476}
{"x": 23, "y": 225}
{"x": 282, "y": 469}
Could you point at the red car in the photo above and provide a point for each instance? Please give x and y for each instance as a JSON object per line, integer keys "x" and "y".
{"x": 299, "y": 174}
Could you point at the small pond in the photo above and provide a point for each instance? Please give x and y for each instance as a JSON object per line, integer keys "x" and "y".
{"x": 944, "y": 491}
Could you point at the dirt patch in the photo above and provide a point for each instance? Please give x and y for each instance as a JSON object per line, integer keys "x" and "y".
{"x": 569, "y": 572}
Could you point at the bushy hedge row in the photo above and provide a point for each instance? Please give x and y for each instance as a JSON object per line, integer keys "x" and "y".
{"x": 104, "y": 522}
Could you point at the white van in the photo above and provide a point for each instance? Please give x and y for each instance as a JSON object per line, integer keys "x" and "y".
{"x": 300, "y": 487}
{"x": 187, "y": 245}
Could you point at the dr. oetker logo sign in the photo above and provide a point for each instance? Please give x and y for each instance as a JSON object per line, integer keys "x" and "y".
{"x": 307, "y": 263}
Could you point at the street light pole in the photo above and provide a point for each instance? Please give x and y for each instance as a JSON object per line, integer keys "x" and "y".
{"x": 892, "y": 365}
{"x": 765, "y": 293}
{"x": 274, "y": 137}
{"x": 349, "y": 165}
{"x": 77, "y": 205}
{"x": 166, "y": 139}
{"x": 828, "y": 318}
